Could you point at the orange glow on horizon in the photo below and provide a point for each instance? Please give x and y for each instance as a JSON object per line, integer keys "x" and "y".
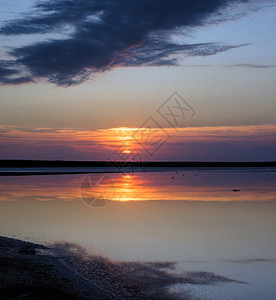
{"x": 129, "y": 141}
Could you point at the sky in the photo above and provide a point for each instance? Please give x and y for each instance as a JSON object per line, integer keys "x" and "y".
{"x": 128, "y": 80}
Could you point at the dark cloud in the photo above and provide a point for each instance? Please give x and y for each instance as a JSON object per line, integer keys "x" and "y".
{"x": 102, "y": 34}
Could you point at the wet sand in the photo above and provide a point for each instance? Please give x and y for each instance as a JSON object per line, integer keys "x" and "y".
{"x": 67, "y": 271}
{"x": 27, "y": 275}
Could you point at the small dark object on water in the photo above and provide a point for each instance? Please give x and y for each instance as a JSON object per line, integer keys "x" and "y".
{"x": 172, "y": 177}
{"x": 235, "y": 190}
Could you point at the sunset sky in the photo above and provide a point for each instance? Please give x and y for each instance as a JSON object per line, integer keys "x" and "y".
{"x": 129, "y": 80}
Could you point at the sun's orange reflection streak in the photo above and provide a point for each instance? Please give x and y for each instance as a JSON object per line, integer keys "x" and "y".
{"x": 190, "y": 186}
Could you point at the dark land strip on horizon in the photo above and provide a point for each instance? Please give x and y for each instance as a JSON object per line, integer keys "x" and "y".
{"x": 14, "y": 167}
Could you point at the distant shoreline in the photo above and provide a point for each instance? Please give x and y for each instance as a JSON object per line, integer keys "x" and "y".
{"x": 123, "y": 164}
{"x": 59, "y": 167}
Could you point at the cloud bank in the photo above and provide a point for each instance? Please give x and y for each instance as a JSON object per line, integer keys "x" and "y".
{"x": 102, "y": 34}
{"x": 221, "y": 143}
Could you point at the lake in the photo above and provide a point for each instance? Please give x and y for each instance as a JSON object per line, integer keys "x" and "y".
{"x": 220, "y": 221}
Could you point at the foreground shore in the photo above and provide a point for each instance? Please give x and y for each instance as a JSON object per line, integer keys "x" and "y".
{"x": 29, "y": 271}
{"x": 67, "y": 271}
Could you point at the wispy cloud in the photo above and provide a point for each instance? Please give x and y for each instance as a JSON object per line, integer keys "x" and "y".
{"x": 10, "y": 75}
{"x": 252, "y": 66}
{"x": 221, "y": 143}
{"x": 101, "y": 35}
{"x": 250, "y": 260}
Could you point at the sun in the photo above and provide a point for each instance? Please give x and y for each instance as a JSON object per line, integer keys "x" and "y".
{"x": 127, "y": 147}
{"x": 124, "y": 135}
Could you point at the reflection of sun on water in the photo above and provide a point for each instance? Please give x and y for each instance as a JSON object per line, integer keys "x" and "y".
{"x": 126, "y": 178}
{"x": 129, "y": 187}
{"x": 126, "y": 188}
{"x": 140, "y": 186}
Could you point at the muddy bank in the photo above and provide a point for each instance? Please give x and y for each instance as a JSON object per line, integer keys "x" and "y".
{"x": 67, "y": 271}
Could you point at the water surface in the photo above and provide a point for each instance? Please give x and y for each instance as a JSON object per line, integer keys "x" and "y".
{"x": 192, "y": 217}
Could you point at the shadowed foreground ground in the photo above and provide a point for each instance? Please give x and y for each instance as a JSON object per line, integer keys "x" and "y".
{"x": 67, "y": 271}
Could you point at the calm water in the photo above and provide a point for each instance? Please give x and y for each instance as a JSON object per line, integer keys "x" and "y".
{"x": 193, "y": 217}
